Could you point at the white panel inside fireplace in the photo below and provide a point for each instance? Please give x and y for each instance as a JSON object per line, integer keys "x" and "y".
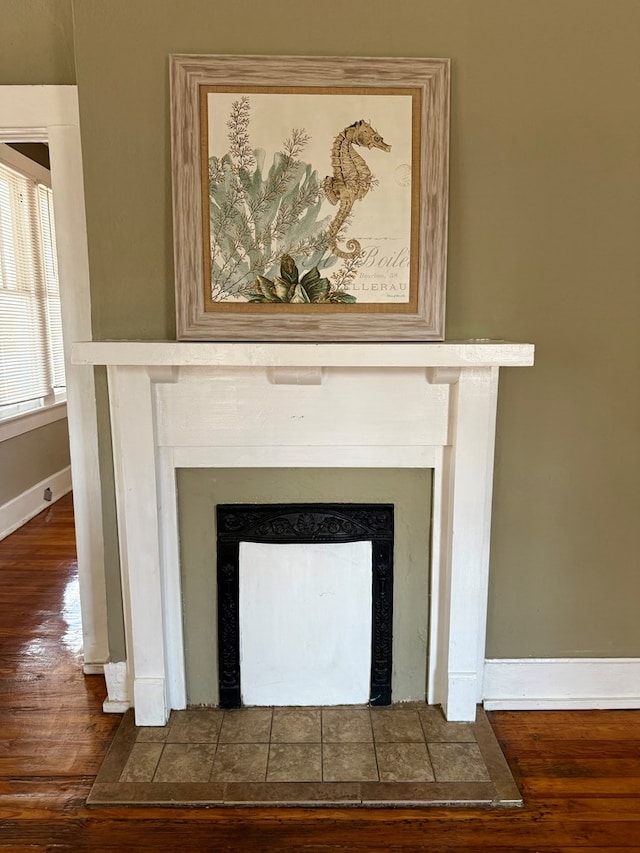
{"x": 305, "y": 623}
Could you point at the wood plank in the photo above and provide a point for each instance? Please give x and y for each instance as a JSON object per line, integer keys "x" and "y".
{"x": 121, "y": 830}
{"x": 566, "y": 725}
{"x": 541, "y": 788}
{"x": 575, "y": 748}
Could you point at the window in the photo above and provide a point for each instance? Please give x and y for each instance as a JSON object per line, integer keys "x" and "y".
{"x": 31, "y": 351}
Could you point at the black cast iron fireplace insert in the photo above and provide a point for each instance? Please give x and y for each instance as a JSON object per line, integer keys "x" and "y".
{"x": 303, "y": 523}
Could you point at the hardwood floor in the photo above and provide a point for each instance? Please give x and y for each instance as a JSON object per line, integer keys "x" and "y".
{"x": 579, "y": 771}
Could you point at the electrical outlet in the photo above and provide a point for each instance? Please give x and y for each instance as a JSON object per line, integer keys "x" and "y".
{"x": 47, "y": 494}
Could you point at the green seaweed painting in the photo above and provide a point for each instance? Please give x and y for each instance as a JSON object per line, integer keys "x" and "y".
{"x": 264, "y": 222}
{"x": 258, "y": 215}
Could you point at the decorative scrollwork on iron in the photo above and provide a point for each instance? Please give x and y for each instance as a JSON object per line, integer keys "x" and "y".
{"x": 305, "y": 522}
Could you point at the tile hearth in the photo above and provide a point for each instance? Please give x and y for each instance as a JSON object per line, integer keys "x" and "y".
{"x": 349, "y": 756}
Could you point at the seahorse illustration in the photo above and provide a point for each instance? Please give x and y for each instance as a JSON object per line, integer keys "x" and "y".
{"x": 351, "y": 178}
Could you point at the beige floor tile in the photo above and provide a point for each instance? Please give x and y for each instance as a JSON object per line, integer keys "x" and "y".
{"x": 152, "y": 734}
{"x": 396, "y": 726}
{"x": 142, "y": 762}
{"x": 240, "y": 762}
{"x": 185, "y": 762}
{"x": 201, "y": 726}
{"x": 246, "y": 725}
{"x": 295, "y": 762}
{"x": 438, "y": 730}
{"x": 343, "y": 726}
{"x": 458, "y": 762}
{"x": 404, "y": 762}
{"x": 349, "y": 762}
{"x": 296, "y": 725}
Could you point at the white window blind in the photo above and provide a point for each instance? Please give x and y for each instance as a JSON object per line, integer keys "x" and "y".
{"x": 31, "y": 352}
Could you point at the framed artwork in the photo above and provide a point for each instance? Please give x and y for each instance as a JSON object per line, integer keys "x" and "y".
{"x": 309, "y": 197}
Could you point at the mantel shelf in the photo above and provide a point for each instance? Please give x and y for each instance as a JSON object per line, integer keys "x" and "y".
{"x": 473, "y": 353}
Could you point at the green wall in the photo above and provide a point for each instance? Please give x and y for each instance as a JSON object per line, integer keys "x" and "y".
{"x": 36, "y": 43}
{"x": 31, "y": 457}
{"x": 543, "y": 247}
{"x": 408, "y": 490}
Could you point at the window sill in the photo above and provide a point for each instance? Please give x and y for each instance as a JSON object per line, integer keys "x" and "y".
{"x": 26, "y": 421}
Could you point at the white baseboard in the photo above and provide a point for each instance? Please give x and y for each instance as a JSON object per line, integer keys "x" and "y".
{"x": 22, "y": 508}
{"x": 561, "y": 683}
{"x": 93, "y": 668}
{"x": 110, "y": 707}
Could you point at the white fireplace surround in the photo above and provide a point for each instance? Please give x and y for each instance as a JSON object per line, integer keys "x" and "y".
{"x": 424, "y": 405}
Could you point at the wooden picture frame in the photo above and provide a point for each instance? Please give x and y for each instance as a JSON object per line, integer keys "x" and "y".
{"x": 310, "y": 197}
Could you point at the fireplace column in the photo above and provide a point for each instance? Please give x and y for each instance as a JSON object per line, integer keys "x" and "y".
{"x": 135, "y": 462}
{"x": 458, "y": 635}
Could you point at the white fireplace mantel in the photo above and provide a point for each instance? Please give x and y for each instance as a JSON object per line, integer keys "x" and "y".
{"x": 387, "y": 405}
